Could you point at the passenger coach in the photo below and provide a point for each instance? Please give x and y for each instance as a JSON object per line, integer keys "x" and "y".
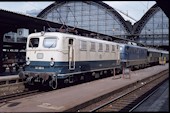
{"x": 153, "y": 56}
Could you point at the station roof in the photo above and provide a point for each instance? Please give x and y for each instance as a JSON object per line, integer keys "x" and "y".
{"x": 109, "y": 8}
{"x": 142, "y": 22}
{"x": 11, "y": 21}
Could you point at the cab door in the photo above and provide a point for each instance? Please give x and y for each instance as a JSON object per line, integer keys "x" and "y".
{"x": 71, "y": 54}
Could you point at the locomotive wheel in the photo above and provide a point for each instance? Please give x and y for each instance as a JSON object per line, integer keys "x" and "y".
{"x": 53, "y": 83}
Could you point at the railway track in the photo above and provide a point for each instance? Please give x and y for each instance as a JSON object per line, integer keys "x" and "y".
{"x": 126, "y": 100}
{"x": 6, "y": 98}
{"x": 158, "y": 91}
{"x": 99, "y": 106}
{"x": 14, "y": 88}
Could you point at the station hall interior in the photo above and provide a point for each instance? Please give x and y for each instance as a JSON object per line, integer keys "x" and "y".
{"x": 87, "y": 17}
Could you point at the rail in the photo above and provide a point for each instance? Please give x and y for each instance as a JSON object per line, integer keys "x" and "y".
{"x": 14, "y": 96}
{"x": 96, "y": 103}
{"x": 147, "y": 97}
{"x": 126, "y": 101}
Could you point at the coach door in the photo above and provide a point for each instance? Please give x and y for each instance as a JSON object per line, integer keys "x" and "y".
{"x": 71, "y": 55}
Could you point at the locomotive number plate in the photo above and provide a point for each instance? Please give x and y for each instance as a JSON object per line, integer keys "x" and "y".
{"x": 39, "y": 67}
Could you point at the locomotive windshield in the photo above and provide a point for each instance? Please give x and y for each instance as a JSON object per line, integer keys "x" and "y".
{"x": 34, "y": 42}
{"x": 50, "y": 42}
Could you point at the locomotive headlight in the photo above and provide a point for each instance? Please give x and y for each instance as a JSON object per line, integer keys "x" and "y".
{"x": 28, "y": 61}
{"x": 121, "y": 48}
{"x": 52, "y": 62}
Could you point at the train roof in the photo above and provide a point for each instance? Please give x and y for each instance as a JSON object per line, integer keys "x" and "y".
{"x": 131, "y": 45}
{"x": 153, "y": 50}
{"x": 165, "y": 52}
{"x": 90, "y": 39}
{"x": 158, "y": 50}
{"x": 76, "y": 36}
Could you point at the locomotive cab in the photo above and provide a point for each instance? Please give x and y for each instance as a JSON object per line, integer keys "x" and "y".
{"x": 42, "y": 53}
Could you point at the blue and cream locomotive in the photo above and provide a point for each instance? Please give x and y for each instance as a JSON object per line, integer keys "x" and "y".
{"x": 55, "y": 56}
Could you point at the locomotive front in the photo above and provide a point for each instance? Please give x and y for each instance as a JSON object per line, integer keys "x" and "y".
{"x": 41, "y": 56}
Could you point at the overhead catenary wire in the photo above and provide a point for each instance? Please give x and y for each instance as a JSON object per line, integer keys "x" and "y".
{"x": 126, "y": 15}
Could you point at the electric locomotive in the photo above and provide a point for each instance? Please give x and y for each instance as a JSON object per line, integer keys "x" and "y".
{"x": 133, "y": 56}
{"x": 56, "y": 56}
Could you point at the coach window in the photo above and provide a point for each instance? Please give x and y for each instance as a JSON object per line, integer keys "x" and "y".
{"x": 83, "y": 45}
{"x": 50, "y": 42}
{"x": 107, "y": 47}
{"x": 113, "y": 48}
{"x": 100, "y": 47}
{"x": 34, "y": 42}
{"x": 93, "y": 46}
{"x": 117, "y": 47}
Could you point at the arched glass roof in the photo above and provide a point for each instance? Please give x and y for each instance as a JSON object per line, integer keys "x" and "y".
{"x": 90, "y": 15}
{"x": 153, "y": 28}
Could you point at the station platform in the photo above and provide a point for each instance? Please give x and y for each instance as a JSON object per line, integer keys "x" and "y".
{"x": 65, "y": 98}
{"x": 9, "y": 77}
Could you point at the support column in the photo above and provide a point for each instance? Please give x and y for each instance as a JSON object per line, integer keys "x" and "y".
{"x": 1, "y": 51}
